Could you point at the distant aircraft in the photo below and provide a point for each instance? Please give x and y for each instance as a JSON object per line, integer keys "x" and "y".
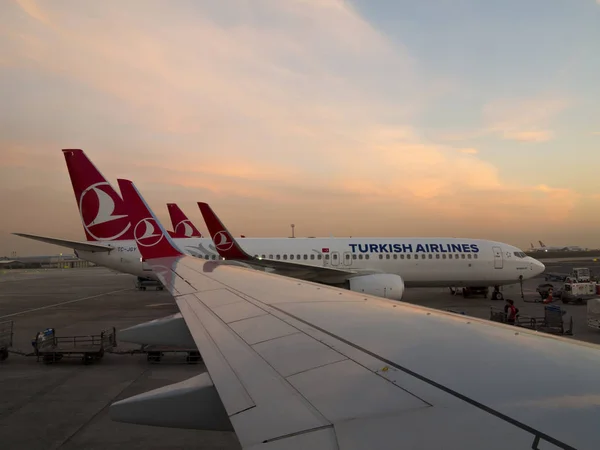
{"x": 294, "y": 365}
{"x": 380, "y": 266}
{"x": 544, "y": 248}
{"x": 181, "y": 224}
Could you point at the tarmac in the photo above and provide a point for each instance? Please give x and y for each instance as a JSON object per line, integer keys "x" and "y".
{"x": 65, "y": 405}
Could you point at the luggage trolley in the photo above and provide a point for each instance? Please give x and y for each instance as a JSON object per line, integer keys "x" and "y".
{"x": 6, "y": 338}
{"x": 51, "y": 348}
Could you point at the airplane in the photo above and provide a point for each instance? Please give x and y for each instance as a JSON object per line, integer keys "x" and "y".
{"x": 181, "y": 224}
{"x": 293, "y": 365}
{"x": 372, "y": 265}
{"x": 544, "y": 248}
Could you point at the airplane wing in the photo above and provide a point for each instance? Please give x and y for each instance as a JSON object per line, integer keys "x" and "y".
{"x": 228, "y": 248}
{"x": 75, "y": 245}
{"x": 298, "y": 365}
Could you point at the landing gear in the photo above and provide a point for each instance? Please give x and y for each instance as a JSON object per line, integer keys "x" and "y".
{"x": 496, "y": 294}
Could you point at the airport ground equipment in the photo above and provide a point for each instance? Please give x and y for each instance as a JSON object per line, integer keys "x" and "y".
{"x": 51, "y": 348}
{"x": 156, "y": 353}
{"x": 551, "y": 322}
{"x": 555, "y": 276}
{"x": 6, "y": 338}
{"x": 593, "y": 313}
{"x": 470, "y": 291}
{"x": 143, "y": 283}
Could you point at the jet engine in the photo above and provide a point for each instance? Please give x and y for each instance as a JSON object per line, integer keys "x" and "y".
{"x": 381, "y": 285}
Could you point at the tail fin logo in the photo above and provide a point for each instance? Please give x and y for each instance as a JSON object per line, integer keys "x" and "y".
{"x": 184, "y": 228}
{"x": 97, "y": 208}
{"x": 223, "y": 241}
{"x": 147, "y": 233}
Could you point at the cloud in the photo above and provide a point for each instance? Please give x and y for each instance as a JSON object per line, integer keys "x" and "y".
{"x": 523, "y": 120}
{"x": 529, "y": 136}
{"x": 297, "y": 110}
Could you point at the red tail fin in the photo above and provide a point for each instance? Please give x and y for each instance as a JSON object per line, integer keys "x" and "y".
{"x": 224, "y": 242}
{"x": 103, "y": 213}
{"x": 182, "y": 226}
{"x": 152, "y": 239}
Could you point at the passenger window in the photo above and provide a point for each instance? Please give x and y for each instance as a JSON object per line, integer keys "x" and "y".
{"x": 327, "y": 256}
{"x": 347, "y": 255}
{"x": 299, "y": 256}
{"x": 456, "y": 256}
{"x": 312, "y": 256}
{"x": 401, "y": 256}
{"x": 395, "y": 256}
{"x": 291, "y": 256}
{"x": 423, "y": 256}
{"x": 437, "y": 256}
{"x": 449, "y": 256}
{"x": 387, "y": 256}
{"x": 444, "y": 256}
{"x": 463, "y": 256}
{"x": 360, "y": 256}
{"x": 353, "y": 256}
{"x": 319, "y": 256}
{"x": 380, "y": 256}
{"x": 469, "y": 256}
{"x": 305, "y": 256}
{"x": 335, "y": 256}
{"x": 270, "y": 256}
{"x": 430, "y": 256}
{"x": 407, "y": 256}
{"x": 284, "y": 256}
{"x": 366, "y": 256}
{"x": 262, "y": 256}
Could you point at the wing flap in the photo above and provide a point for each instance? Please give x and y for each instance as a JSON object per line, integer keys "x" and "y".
{"x": 260, "y": 404}
{"x": 75, "y": 245}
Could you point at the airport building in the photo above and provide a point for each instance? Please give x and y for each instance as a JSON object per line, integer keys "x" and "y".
{"x": 44, "y": 262}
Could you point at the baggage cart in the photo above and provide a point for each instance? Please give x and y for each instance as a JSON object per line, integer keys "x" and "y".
{"x": 51, "y": 348}
{"x": 6, "y": 338}
{"x": 143, "y": 283}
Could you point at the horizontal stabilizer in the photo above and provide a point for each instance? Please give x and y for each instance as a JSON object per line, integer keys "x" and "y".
{"x": 75, "y": 245}
{"x": 191, "y": 404}
{"x": 170, "y": 331}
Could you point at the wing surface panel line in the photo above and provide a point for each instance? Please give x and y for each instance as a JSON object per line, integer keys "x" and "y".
{"x": 536, "y": 433}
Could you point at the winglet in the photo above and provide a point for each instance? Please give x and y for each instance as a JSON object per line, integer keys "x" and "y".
{"x": 182, "y": 226}
{"x": 152, "y": 239}
{"x": 224, "y": 242}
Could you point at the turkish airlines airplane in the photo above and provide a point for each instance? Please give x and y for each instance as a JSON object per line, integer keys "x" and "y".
{"x": 380, "y": 266}
{"x": 297, "y": 365}
{"x": 182, "y": 226}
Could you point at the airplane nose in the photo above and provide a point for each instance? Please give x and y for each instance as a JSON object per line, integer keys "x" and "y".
{"x": 538, "y": 267}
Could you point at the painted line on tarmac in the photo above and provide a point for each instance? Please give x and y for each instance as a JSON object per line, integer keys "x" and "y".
{"x": 63, "y": 303}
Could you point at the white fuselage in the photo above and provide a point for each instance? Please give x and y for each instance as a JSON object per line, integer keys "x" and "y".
{"x": 421, "y": 262}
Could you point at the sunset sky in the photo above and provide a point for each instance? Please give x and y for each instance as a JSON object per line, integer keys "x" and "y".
{"x": 468, "y": 118}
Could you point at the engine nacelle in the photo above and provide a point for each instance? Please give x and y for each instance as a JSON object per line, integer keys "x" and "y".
{"x": 380, "y": 284}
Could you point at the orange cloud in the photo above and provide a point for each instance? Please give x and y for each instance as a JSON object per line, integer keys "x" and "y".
{"x": 273, "y": 123}
{"x": 524, "y": 120}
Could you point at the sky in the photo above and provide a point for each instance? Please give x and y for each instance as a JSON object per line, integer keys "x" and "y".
{"x": 457, "y": 118}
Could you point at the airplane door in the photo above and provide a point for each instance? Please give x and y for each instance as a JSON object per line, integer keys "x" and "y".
{"x": 498, "y": 261}
{"x": 347, "y": 259}
{"x": 335, "y": 258}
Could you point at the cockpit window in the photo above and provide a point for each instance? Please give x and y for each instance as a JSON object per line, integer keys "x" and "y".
{"x": 520, "y": 255}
